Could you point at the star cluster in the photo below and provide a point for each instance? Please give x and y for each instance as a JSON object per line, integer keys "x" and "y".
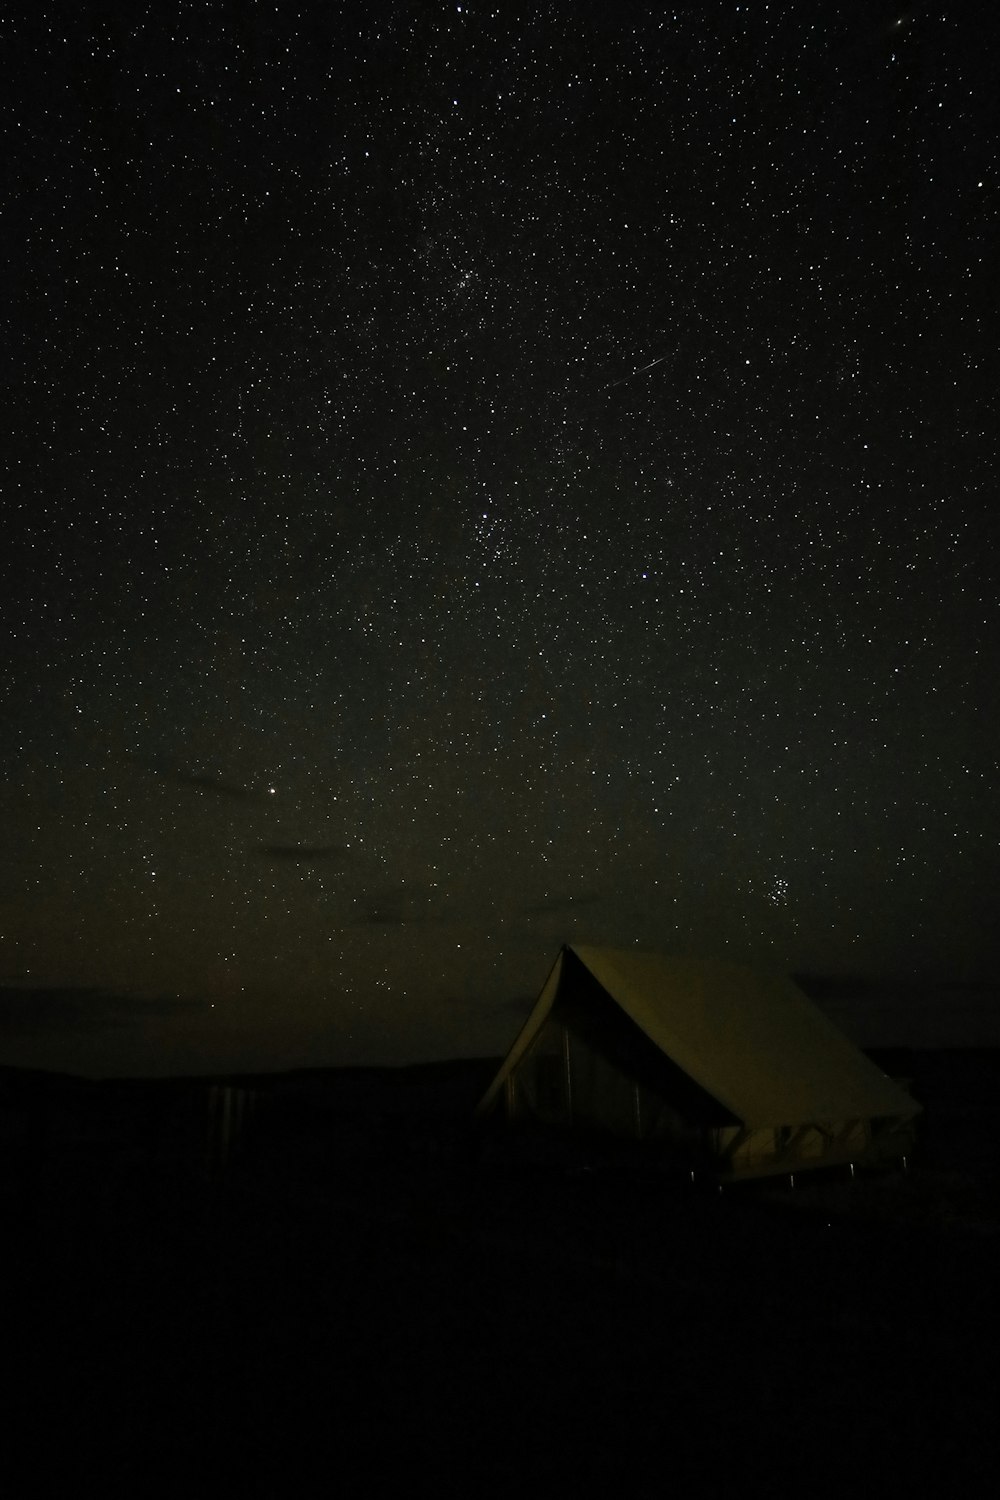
{"x": 484, "y": 476}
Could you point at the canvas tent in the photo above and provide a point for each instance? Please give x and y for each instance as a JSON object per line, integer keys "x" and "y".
{"x": 715, "y": 1063}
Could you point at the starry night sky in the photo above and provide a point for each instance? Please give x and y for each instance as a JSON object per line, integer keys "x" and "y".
{"x": 478, "y": 477}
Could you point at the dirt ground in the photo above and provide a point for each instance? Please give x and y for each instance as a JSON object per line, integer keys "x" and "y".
{"x": 371, "y": 1294}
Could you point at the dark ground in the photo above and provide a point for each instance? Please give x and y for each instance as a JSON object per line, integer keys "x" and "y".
{"x": 371, "y": 1295}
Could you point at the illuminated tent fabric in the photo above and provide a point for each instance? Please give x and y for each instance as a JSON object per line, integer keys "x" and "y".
{"x": 731, "y": 1065}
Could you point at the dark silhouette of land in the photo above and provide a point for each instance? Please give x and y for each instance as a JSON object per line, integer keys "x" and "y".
{"x": 256, "y": 1280}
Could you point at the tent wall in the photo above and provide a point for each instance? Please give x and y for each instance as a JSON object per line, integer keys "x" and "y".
{"x": 539, "y": 1088}
{"x": 589, "y": 1066}
{"x": 565, "y": 1081}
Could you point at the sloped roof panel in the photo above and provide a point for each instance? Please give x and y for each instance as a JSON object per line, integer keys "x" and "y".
{"x": 751, "y": 1040}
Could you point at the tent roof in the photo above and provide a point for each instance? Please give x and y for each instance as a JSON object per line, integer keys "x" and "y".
{"x": 751, "y": 1040}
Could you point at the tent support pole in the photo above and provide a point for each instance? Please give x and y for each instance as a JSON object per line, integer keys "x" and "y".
{"x": 740, "y": 1138}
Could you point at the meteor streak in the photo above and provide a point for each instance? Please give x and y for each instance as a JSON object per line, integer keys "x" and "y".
{"x": 641, "y": 371}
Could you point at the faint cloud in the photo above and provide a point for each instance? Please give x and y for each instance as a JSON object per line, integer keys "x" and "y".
{"x": 384, "y": 915}
{"x": 399, "y": 906}
{"x": 520, "y": 1007}
{"x": 31, "y": 1012}
{"x": 204, "y": 781}
{"x": 304, "y": 853}
{"x": 559, "y": 905}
